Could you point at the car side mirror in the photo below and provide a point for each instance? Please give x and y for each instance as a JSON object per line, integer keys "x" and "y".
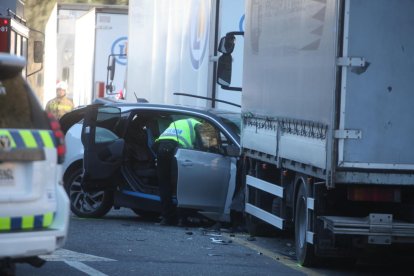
{"x": 232, "y": 150}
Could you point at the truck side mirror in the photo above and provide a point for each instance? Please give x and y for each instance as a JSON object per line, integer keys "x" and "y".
{"x": 38, "y": 51}
{"x": 112, "y": 69}
{"x": 224, "y": 69}
{"x": 226, "y": 45}
{"x": 224, "y": 63}
{"x": 110, "y": 74}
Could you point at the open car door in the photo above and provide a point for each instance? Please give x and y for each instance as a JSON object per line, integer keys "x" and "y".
{"x": 103, "y": 149}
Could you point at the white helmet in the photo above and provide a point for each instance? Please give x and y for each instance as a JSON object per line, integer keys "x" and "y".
{"x": 62, "y": 85}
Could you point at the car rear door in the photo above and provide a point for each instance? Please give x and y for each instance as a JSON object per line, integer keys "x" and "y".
{"x": 103, "y": 148}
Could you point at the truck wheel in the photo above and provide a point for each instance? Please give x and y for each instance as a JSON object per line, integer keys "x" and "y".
{"x": 83, "y": 204}
{"x": 304, "y": 251}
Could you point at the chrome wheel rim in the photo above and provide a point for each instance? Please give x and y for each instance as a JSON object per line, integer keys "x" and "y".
{"x": 82, "y": 201}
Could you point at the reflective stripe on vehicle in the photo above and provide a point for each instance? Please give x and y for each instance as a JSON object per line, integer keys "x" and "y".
{"x": 30, "y": 139}
{"x": 26, "y": 222}
{"x": 181, "y": 140}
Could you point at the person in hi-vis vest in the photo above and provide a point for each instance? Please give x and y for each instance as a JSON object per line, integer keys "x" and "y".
{"x": 61, "y": 104}
{"x": 181, "y": 133}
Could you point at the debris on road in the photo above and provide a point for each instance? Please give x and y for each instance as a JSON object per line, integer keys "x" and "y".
{"x": 219, "y": 241}
{"x": 212, "y": 234}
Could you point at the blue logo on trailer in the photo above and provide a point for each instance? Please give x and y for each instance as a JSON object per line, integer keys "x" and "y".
{"x": 199, "y": 32}
{"x": 119, "y": 48}
{"x": 241, "y": 23}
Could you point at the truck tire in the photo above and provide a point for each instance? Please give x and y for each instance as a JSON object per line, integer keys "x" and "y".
{"x": 83, "y": 204}
{"x": 304, "y": 251}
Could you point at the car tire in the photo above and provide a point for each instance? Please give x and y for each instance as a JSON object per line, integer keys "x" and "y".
{"x": 83, "y": 204}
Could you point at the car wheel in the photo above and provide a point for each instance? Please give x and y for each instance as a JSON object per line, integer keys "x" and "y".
{"x": 83, "y": 204}
{"x": 146, "y": 214}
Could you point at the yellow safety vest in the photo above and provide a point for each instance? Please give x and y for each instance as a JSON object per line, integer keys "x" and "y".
{"x": 181, "y": 131}
{"x": 59, "y": 106}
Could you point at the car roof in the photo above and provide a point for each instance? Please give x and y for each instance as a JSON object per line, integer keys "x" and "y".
{"x": 77, "y": 114}
{"x": 143, "y": 103}
{"x": 125, "y": 107}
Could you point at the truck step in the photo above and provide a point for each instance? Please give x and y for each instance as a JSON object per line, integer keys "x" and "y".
{"x": 380, "y": 228}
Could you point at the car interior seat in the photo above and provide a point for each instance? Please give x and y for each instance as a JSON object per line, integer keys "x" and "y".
{"x": 139, "y": 155}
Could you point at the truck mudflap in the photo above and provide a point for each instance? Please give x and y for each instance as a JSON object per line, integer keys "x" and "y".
{"x": 379, "y": 228}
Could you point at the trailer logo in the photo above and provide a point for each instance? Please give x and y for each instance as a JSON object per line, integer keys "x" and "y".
{"x": 241, "y": 23}
{"x": 119, "y": 48}
{"x": 199, "y": 28}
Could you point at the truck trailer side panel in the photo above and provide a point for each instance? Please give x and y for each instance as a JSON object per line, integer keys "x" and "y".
{"x": 290, "y": 49}
{"x": 99, "y": 33}
{"x": 84, "y": 59}
{"x": 377, "y": 98}
{"x": 326, "y": 134}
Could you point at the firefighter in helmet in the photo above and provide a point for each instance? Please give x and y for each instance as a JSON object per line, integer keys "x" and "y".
{"x": 60, "y": 105}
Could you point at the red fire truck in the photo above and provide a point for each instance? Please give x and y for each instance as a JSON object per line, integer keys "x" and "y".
{"x": 14, "y": 35}
{"x": 14, "y": 38}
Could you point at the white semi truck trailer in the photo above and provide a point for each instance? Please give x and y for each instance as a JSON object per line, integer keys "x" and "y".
{"x": 100, "y": 34}
{"x": 172, "y": 48}
{"x": 327, "y": 132}
{"x": 79, "y": 40}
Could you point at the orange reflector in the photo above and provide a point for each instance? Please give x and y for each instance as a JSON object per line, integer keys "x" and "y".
{"x": 374, "y": 194}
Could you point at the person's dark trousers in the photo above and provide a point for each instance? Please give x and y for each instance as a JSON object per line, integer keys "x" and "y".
{"x": 165, "y": 157}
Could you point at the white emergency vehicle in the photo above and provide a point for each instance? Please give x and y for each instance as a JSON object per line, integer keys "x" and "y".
{"x": 34, "y": 208}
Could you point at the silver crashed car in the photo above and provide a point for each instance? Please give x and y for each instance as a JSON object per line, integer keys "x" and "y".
{"x": 110, "y": 161}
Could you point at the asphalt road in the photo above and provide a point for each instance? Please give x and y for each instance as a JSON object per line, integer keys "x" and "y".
{"x": 121, "y": 243}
